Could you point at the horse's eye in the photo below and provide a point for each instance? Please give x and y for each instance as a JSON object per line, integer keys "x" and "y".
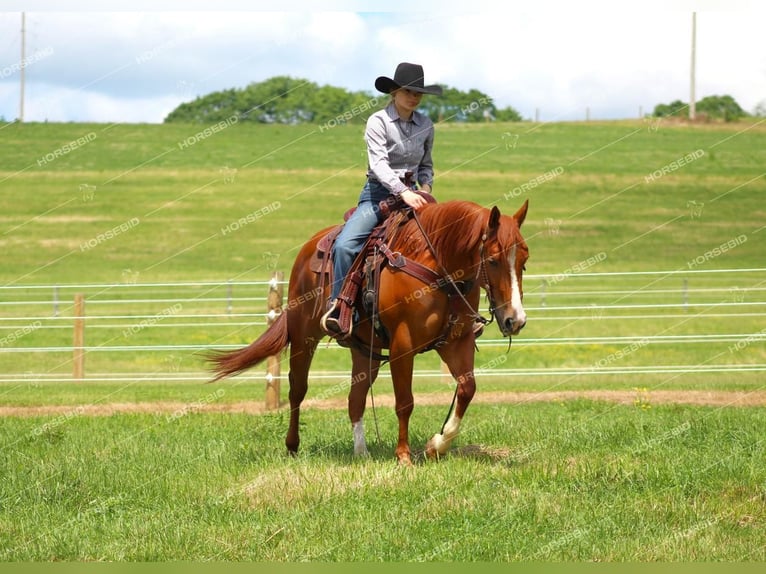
{"x": 492, "y": 261}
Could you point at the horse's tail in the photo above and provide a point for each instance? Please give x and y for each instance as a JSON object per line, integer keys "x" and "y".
{"x": 271, "y": 342}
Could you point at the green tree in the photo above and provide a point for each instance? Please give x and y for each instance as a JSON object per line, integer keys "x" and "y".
{"x": 470, "y": 106}
{"x": 287, "y": 100}
{"x": 721, "y": 107}
{"x": 675, "y": 108}
{"x": 714, "y": 107}
{"x": 508, "y": 114}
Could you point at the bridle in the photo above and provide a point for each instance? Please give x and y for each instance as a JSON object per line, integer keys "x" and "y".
{"x": 484, "y": 278}
{"x": 481, "y": 276}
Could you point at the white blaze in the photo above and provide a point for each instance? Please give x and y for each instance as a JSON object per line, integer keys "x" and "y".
{"x": 519, "y": 316}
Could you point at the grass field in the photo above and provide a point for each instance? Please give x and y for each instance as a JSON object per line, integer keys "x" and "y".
{"x": 572, "y": 481}
{"x": 130, "y": 205}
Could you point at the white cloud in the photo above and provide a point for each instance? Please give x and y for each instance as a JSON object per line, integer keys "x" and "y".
{"x": 124, "y": 66}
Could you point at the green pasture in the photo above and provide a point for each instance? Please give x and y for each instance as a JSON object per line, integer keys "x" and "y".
{"x": 186, "y": 196}
{"x": 152, "y": 204}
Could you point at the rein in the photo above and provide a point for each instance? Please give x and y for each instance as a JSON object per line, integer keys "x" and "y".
{"x": 448, "y": 277}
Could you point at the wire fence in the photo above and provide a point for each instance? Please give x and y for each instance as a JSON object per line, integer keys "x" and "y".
{"x": 695, "y": 321}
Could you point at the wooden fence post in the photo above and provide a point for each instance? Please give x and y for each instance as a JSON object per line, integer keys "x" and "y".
{"x": 79, "y": 336}
{"x": 274, "y": 303}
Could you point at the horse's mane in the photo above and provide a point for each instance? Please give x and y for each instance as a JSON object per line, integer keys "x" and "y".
{"x": 452, "y": 227}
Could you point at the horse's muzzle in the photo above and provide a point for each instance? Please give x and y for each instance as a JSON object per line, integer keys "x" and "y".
{"x": 510, "y": 326}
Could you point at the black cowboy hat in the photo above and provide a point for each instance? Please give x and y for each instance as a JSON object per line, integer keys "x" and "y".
{"x": 408, "y": 76}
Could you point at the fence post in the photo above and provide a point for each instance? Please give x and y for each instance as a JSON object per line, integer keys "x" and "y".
{"x": 274, "y": 303}
{"x": 79, "y": 336}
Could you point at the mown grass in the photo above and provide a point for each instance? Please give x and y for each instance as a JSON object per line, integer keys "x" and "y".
{"x": 582, "y": 481}
{"x": 601, "y": 202}
{"x": 605, "y": 202}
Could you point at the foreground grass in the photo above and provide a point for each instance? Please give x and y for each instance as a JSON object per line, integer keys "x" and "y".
{"x": 573, "y": 481}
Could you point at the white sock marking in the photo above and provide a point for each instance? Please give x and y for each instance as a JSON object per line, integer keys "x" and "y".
{"x": 360, "y": 446}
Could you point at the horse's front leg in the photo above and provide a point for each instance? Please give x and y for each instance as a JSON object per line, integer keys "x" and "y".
{"x": 401, "y": 373}
{"x": 363, "y": 374}
{"x": 459, "y": 357}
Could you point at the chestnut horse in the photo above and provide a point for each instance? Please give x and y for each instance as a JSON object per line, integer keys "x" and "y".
{"x": 462, "y": 240}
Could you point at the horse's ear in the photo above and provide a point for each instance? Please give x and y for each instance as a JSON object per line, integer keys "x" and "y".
{"x": 521, "y": 214}
{"x": 494, "y": 219}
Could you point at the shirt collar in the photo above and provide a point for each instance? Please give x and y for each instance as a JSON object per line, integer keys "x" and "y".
{"x": 394, "y": 115}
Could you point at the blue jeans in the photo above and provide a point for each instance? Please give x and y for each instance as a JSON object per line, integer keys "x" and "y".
{"x": 356, "y": 231}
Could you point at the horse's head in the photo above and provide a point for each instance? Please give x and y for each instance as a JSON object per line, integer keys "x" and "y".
{"x": 503, "y": 255}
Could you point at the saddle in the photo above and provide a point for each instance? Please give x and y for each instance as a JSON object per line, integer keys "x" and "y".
{"x": 368, "y": 264}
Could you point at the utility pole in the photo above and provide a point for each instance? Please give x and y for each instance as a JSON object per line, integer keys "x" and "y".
{"x": 23, "y": 65}
{"x": 692, "y": 96}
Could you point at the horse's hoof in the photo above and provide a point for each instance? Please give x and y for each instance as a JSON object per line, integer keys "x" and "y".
{"x": 404, "y": 460}
{"x": 431, "y": 452}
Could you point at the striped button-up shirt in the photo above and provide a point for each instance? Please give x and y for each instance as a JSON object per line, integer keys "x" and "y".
{"x": 396, "y": 146}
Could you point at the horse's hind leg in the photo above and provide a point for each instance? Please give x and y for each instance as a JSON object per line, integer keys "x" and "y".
{"x": 363, "y": 374}
{"x": 301, "y": 353}
{"x": 459, "y": 357}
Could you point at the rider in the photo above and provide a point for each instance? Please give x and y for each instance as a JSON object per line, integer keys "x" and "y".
{"x": 399, "y": 142}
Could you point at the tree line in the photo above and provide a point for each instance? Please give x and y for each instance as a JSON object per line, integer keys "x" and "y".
{"x": 287, "y": 100}
{"x": 723, "y": 108}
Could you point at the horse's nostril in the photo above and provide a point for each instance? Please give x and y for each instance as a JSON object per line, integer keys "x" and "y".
{"x": 509, "y": 323}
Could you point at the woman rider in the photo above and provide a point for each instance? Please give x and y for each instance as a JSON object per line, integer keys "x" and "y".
{"x": 399, "y": 142}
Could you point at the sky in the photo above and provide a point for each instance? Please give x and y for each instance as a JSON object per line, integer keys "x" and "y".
{"x": 548, "y": 60}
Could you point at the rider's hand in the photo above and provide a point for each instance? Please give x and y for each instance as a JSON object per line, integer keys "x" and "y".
{"x": 412, "y": 199}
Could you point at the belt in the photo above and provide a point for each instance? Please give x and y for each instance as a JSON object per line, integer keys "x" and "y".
{"x": 406, "y": 179}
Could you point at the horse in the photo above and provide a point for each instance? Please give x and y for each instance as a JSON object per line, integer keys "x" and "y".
{"x": 455, "y": 240}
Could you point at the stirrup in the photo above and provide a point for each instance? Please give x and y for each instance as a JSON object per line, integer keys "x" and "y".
{"x": 331, "y": 325}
